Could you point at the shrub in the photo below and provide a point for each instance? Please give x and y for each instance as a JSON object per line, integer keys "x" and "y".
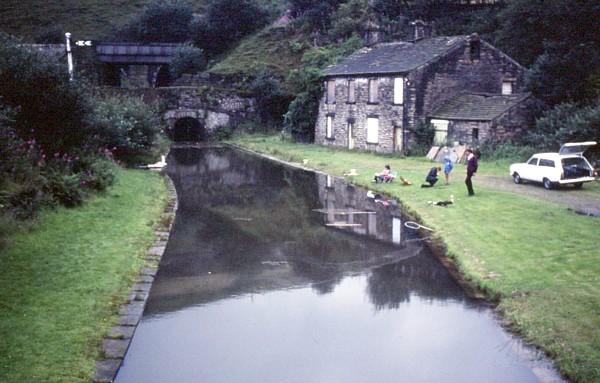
{"x": 125, "y": 125}
{"x": 65, "y": 189}
{"x": 187, "y": 59}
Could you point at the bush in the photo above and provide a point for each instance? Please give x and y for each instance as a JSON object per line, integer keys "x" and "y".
{"x": 492, "y": 150}
{"x": 567, "y": 122}
{"x": 47, "y": 107}
{"x": 187, "y": 59}
{"x": 424, "y": 133}
{"x": 127, "y": 126}
{"x": 65, "y": 189}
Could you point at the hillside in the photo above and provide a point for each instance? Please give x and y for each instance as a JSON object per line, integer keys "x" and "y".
{"x": 86, "y": 19}
{"x": 275, "y": 49}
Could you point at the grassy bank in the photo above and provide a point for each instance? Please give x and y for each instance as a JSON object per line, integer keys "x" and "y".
{"x": 539, "y": 260}
{"x": 60, "y": 284}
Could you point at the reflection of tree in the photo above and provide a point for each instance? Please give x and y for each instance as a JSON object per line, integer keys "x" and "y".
{"x": 391, "y": 285}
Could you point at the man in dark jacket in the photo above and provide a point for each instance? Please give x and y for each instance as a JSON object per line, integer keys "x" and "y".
{"x": 471, "y": 170}
{"x": 432, "y": 177}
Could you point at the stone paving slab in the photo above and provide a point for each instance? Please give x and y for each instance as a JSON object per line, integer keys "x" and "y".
{"x": 115, "y": 348}
{"x": 140, "y": 296}
{"x": 143, "y": 287}
{"x": 156, "y": 250}
{"x": 122, "y": 332}
{"x": 151, "y": 271}
{"x": 129, "y": 320}
{"x": 145, "y": 279}
{"x": 133, "y": 308}
{"x": 106, "y": 370}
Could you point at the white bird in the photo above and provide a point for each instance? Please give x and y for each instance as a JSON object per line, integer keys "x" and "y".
{"x": 158, "y": 165}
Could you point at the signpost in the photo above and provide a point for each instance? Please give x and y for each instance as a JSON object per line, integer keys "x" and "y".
{"x": 79, "y": 43}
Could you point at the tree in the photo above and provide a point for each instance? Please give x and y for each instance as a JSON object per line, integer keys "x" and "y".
{"x": 161, "y": 21}
{"x": 227, "y": 21}
{"x": 561, "y": 40}
{"x": 350, "y": 18}
{"x": 48, "y": 108}
{"x": 187, "y": 59}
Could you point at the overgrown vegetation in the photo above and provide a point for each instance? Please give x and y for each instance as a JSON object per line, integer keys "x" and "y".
{"x": 58, "y": 143}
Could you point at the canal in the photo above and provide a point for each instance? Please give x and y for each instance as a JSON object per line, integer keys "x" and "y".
{"x": 274, "y": 274}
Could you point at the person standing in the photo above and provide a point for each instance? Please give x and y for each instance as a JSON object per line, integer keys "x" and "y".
{"x": 448, "y": 166}
{"x": 471, "y": 170}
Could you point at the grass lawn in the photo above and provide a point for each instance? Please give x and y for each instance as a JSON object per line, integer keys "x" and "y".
{"x": 539, "y": 260}
{"x": 61, "y": 283}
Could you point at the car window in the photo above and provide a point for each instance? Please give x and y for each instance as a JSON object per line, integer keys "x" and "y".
{"x": 533, "y": 161}
{"x": 548, "y": 163}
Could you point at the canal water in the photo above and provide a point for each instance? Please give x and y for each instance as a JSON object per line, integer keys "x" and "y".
{"x": 279, "y": 275}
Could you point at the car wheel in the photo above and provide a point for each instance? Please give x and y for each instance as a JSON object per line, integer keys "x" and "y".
{"x": 578, "y": 185}
{"x": 547, "y": 184}
{"x": 517, "y": 178}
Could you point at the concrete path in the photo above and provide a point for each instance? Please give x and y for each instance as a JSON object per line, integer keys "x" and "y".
{"x": 578, "y": 200}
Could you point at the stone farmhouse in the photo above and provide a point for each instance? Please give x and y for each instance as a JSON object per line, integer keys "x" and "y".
{"x": 467, "y": 89}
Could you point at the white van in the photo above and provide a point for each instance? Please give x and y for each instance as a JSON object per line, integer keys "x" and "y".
{"x": 567, "y": 167}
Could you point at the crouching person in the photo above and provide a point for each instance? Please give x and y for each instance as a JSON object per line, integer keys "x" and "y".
{"x": 432, "y": 177}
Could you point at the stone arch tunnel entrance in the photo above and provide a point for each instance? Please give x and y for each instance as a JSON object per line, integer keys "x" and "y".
{"x": 188, "y": 129}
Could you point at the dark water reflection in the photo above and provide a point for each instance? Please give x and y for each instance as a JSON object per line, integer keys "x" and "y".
{"x": 257, "y": 286}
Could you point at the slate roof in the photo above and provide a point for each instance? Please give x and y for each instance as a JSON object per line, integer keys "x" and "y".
{"x": 136, "y": 53}
{"x": 397, "y": 57}
{"x": 478, "y": 106}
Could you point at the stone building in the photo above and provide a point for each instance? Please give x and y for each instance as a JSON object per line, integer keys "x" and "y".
{"x": 469, "y": 90}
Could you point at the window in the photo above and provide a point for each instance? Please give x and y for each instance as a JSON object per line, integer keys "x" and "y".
{"x": 330, "y": 97}
{"x": 329, "y": 127}
{"x": 507, "y": 87}
{"x": 532, "y": 161}
{"x": 548, "y": 163}
{"x": 372, "y": 130}
{"x": 373, "y": 90}
{"x": 441, "y": 131}
{"x": 475, "y": 134}
{"x": 398, "y": 90}
{"x": 474, "y": 50}
{"x": 351, "y": 91}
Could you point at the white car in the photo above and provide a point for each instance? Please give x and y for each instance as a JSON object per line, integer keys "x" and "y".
{"x": 567, "y": 167}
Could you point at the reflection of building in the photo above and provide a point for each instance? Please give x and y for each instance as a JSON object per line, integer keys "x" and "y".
{"x": 348, "y": 208}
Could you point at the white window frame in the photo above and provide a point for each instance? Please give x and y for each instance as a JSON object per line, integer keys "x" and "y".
{"x": 351, "y": 92}
{"x": 372, "y": 130}
{"x": 398, "y": 90}
{"x": 329, "y": 126}
{"x": 373, "y": 85}
{"x": 330, "y": 97}
{"x": 507, "y": 87}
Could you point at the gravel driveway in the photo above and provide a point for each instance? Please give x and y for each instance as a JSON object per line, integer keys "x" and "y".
{"x": 577, "y": 200}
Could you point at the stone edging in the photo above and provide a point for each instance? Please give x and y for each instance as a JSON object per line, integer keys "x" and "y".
{"x": 116, "y": 343}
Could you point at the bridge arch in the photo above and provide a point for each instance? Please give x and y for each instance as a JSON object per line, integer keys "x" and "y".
{"x": 188, "y": 129}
